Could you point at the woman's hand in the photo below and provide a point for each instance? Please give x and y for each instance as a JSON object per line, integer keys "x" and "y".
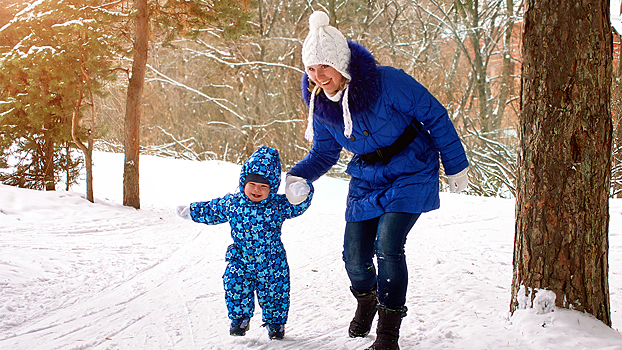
{"x": 296, "y": 189}
{"x": 458, "y": 182}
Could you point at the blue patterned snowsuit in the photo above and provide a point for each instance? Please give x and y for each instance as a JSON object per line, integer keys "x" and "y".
{"x": 256, "y": 260}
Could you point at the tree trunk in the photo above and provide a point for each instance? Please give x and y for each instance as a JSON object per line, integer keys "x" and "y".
{"x": 87, "y": 150}
{"x": 508, "y": 67}
{"x": 562, "y": 210}
{"x": 480, "y": 69}
{"x": 133, "y": 107}
{"x": 48, "y": 168}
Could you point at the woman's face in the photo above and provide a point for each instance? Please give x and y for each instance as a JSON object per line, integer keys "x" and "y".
{"x": 327, "y": 77}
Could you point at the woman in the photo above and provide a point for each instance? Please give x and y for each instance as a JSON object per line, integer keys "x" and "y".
{"x": 396, "y": 130}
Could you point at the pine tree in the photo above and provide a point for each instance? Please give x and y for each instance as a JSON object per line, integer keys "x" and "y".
{"x": 52, "y": 54}
{"x": 562, "y": 210}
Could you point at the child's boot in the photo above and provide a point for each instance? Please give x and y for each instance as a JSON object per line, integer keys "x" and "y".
{"x": 239, "y": 327}
{"x": 276, "y": 331}
{"x": 365, "y": 312}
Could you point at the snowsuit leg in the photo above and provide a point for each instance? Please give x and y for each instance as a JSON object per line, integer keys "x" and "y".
{"x": 273, "y": 291}
{"x": 239, "y": 285}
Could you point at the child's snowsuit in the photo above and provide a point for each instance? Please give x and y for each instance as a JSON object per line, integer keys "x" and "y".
{"x": 256, "y": 259}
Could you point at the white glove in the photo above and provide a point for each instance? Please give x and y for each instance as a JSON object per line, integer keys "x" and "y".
{"x": 458, "y": 182}
{"x": 183, "y": 211}
{"x": 296, "y": 189}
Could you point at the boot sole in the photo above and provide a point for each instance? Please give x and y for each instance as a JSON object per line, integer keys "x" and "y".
{"x": 358, "y": 335}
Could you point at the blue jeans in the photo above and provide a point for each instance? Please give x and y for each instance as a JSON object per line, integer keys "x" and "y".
{"x": 384, "y": 236}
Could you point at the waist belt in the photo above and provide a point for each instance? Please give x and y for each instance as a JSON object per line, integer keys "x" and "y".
{"x": 385, "y": 154}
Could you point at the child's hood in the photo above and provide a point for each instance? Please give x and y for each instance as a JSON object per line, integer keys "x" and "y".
{"x": 265, "y": 162}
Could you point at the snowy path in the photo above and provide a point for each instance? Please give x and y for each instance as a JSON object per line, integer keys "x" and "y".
{"x": 76, "y": 275}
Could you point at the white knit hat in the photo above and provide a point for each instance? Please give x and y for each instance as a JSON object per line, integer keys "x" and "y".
{"x": 326, "y": 45}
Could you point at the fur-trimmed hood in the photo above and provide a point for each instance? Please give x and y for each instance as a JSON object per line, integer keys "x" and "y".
{"x": 365, "y": 88}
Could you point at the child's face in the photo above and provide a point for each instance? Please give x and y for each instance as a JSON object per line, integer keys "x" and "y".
{"x": 256, "y": 191}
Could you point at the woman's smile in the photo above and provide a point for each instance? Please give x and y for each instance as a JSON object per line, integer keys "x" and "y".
{"x": 327, "y": 77}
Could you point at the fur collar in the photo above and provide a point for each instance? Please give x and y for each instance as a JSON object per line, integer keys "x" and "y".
{"x": 364, "y": 88}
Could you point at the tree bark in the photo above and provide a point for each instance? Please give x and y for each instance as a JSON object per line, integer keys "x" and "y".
{"x": 562, "y": 210}
{"x": 133, "y": 108}
{"x": 87, "y": 150}
{"x": 508, "y": 67}
{"x": 48, "y": 167}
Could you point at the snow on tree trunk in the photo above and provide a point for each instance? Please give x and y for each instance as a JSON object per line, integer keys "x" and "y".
{"x": 562, "y": 210}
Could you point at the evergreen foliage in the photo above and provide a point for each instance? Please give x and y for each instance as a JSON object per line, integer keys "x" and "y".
{"x": 51, "y": 53}
{"x": 183, "y": 18}
{"x": 55, "y": 54}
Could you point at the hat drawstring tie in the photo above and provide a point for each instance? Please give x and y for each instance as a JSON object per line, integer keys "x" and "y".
{"x": 309, "y": 131}
{"x": 347, "y": 118}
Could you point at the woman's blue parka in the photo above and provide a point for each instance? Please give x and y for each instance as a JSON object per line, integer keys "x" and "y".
{"x": 383, "y": 101}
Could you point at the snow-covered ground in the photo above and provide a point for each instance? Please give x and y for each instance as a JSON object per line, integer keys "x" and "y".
{"x": 77, "y": 275}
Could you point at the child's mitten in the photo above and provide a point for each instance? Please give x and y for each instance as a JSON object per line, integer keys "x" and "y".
{"x": 183, "y": 211}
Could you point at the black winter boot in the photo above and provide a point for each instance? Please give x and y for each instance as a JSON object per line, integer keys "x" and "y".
{"x": 388, "y": 331}
{"x": 365, "y": 312}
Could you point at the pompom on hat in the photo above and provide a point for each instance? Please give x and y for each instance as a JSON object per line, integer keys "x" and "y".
{"x": 326, "y": 45}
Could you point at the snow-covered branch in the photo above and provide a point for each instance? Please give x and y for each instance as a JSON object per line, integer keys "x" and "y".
{"x": 174, "y": 82}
